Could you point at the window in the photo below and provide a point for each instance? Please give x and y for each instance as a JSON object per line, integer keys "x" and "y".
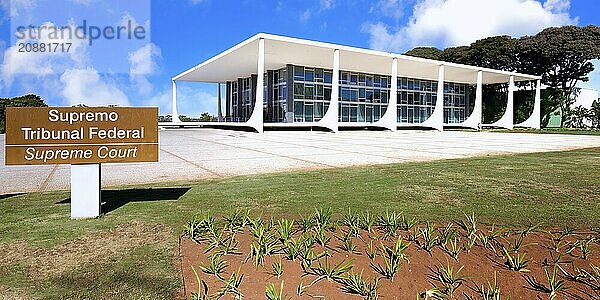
{"x": 299, "y": 111}
{"x": 309, "y": 75}
{"x": 327, "y": 76}
{"x": 308, "y": 92}
{"x": 299, "y": 73}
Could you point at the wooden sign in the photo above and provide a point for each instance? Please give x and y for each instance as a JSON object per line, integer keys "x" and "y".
{"x": 81, "y": 135}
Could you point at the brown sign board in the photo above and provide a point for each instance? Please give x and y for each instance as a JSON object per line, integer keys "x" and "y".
{"x": 81, "y": 135}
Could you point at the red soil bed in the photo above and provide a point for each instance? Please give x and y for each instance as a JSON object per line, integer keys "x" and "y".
{"x": 413, "y": 278}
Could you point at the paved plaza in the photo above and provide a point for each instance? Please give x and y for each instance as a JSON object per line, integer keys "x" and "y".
{"x": 194, "y": 154}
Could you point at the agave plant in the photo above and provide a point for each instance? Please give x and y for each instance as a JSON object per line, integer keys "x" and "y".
{"x": 272, "y": 293}
{"x": 215, "y": 266}
{"x": 392, "y": 258}
{"x": 450, "y": 278}
{"x": 515, "y": 262}
{"x": 352, "y": 222}
{"x": 263, "y": 244}
{"x": 430, "y": 237}
{"x": 323, "y": 217}
{"x": 356, "y": 284}
{"x": 232, "y": 286}
{"x": 202, "y": 293}
{"x": 489, "y": 292}
{"x": 390, "y": 223}
{"x": 236, "y": 220}
{"x": 367, "y": 221}
{"x": 277, "y": 268}
{"x": 285, "y": 229}
{"x": 331, "y": 272}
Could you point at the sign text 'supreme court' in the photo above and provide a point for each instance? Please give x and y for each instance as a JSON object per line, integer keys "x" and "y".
{"x": 80, "y": 135}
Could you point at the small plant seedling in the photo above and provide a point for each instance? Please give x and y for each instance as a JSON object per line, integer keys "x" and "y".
{"x": 491, "y": 292}
{"x": 232, "y": 286}
{"x": 356, "y": 284}
{"x": 515, "y": 262}
{"x": 348, "y": 245}
{"x": 272, "y": 293}
{"x": 430, "y": 237}
{"x": 555, "y": 285}
{"x": 216, "y": 266}
{"x": 390, "y": 223}
{"x": 450, "y": 278}
{"x": 371, "y": 250}
{"x": 322, "y": 217}
{"x": 353, "y": 223}
{"x": 301, "y": 288}
{"x": 367, "y": 221}
{"x": 200, "y": 295}
{"x": 277, "y": 267}
{"x": 285, "y": 229}
{"x": 331, "y": 272}
{"x": 393, "y": 259}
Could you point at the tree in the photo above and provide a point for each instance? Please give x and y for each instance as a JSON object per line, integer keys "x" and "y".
{"x": 426, "y": 52}
{"x": 578, "y": 117}
{"x": 459, "y": 55}
{"x": 29, "y": 100}
{"x": 497, "y": 52}
{"x": 562, "y": 57}
{"x": 595, "y": 114}
{"x": 206, "y": 117}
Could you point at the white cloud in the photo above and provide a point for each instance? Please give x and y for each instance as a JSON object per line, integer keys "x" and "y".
{"x": 446, "y": 23}
{"x": 85, "y": 86}
{"x": 44, "y": 63}
{"x": 305, "y": 16}
{"x": 326, "y": 4}
{"x": 16, "y": 8}
{"x": 389, "y": 8}
{"x": 143, "y": 62}
{"x": 194, "y": 2}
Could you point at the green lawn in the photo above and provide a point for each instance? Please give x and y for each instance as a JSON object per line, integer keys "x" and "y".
{"x": 553, "y": 131}
{"x": 129, "y": 251}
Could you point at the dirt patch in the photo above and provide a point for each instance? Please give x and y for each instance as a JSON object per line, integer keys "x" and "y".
{"x": 418, "y": 274}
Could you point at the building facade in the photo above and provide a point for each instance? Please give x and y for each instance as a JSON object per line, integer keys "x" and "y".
{"x": 286, "y": 82}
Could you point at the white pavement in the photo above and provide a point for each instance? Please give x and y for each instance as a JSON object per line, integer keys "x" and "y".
{"x": 193, "y": 154}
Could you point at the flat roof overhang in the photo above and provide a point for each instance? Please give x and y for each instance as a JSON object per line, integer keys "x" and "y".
{"x": 242, "y": 60}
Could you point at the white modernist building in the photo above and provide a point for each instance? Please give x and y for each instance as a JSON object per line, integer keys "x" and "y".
{"x": 304, "y": 83}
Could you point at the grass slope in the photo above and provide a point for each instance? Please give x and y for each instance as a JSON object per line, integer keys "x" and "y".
{"x": 129, "y": 251}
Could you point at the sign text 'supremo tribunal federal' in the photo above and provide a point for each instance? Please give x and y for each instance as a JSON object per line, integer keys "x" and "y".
{"x": 80, "y": 135}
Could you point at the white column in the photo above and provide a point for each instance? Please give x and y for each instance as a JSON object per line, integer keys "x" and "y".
{"x": 537, "y": 107}
{"x": 436, "y": 120}
{"x": 390, "y": 120}
{"x": 174, "y": 114}
{"x": 534, "y": 121}
{"x": 219, "y": 111}
{"x": 85, "y": 191}
{"x": 330, "y": 119}
{"x": 510, "y": 104}
{"x": 256, "y": 119}
{"x": 474, "y": 119}
{"x": 506, "y": 121}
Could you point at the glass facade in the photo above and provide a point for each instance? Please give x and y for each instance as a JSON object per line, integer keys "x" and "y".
{"x": 455, "y": 102}
{"x": 312, "y": 93}
{"x": 416, "y": 100}
{"x": 363, "y": 97}
{"x": 276, "y": 96}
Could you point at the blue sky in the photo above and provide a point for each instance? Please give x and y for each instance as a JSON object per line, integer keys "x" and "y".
{"x": 186, "y": 32}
